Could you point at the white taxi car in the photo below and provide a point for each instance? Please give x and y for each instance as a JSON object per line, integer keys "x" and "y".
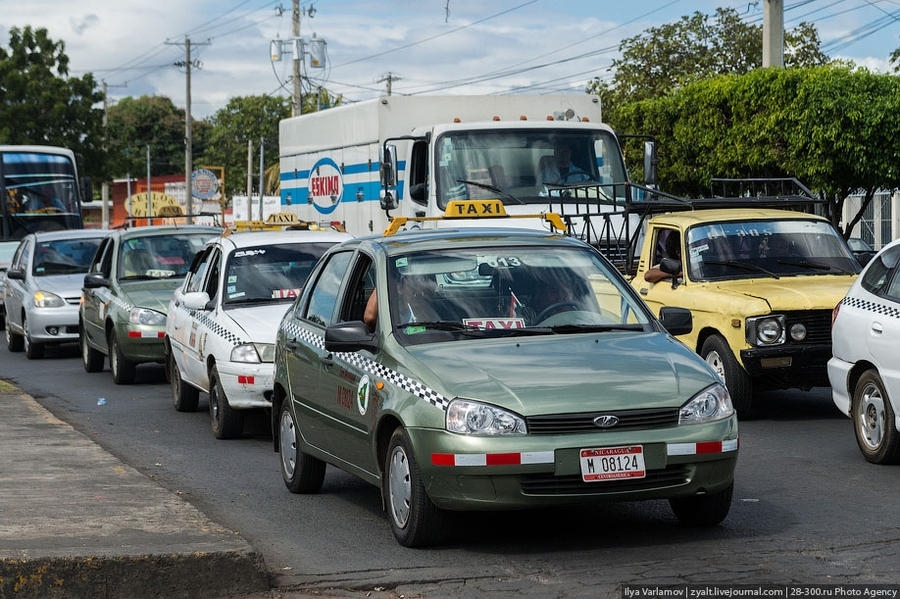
{"x": 222, "y": 322}
{"x": 865, "y": 380}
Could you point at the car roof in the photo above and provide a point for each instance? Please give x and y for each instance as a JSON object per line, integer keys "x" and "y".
{"x": 165, "y": 230}
{"x": 242, "y": 239}
{"x": 69, "y": 234}
{"x": 694, "y": 217}
{"x": 425, "y": 239}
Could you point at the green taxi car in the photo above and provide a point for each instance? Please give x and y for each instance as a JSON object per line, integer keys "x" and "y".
{"x": 126, "y": 294}
{"x": 490, "y": 369}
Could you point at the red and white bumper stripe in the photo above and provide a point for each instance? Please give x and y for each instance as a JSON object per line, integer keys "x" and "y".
{"x": 146, "y": 334}
{"x": 492, "y": 459}
{"x": 702, "y": 448}
{"x": 548, "y": 457}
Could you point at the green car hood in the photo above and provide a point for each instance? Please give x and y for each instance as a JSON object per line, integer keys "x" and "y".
{"x": 150, "y": 294}
{"x": 564, "y": 373}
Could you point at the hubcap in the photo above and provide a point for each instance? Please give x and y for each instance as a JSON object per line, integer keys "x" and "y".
{"x": 399, "y": 486}
{"x": 870, "y": 417}
{"x": 288, "y": 444}
{"x": 714, "y": 360}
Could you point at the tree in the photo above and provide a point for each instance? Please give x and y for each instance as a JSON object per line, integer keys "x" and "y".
{"x": 41, "y": 104}
{"x": 665, "y": 58}
{"x": 832, "y": 127}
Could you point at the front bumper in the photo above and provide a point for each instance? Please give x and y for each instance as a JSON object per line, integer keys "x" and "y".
{"x": 468, "y": 473}
{"x": 247, "y": 385}
{"x": 838, "y": 375}
{"x": 789, "y": 366}
{"x": 53, "y": 325}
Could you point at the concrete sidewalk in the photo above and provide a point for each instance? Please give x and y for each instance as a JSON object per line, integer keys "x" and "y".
{"x": 77, "y": 522}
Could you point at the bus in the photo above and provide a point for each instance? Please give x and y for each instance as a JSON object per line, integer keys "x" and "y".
{"x": 40, "y": 190}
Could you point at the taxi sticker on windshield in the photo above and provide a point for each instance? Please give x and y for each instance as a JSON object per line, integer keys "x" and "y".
{"x": 283, "y": 293}
{"x": 490, "y": 323}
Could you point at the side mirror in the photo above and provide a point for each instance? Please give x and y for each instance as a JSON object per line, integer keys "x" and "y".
{"x": 677, "y": 321}
{"x": 87, "y": 189}
{"x": 16, "y": 273}
{"x": 388, "y": 160}
{"x": 196, "y": 300}
{"x": 650, "y": 163}
{"x": 350, "y": 337}
{"x": 94, "y": 280}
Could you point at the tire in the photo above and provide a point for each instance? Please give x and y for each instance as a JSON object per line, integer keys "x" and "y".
{"x": 33, "y": 351}
{"x": 873, "y": 420}
{"x": 226, "y": 422}
{"x": 703, "y": 510}
{"x": 301, "y": 472}
{"x": 415, "y": 521}
{"x": 14, "y": 342}
{"x": 123, "y": 369}
{"x": 185, "y": 396}
{"x": 91, "y": 359}
{"x": 719, "y": 356}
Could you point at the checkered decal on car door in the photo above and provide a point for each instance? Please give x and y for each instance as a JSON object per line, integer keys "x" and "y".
{"x": 888, "y": 310}
{"x": 372, "y": 367}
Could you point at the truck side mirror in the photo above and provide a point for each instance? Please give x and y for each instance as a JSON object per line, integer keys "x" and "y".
{"x": 650, "y": 163}
{"x": 388, "y": 160}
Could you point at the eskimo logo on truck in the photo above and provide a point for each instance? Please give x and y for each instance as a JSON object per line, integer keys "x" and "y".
{"x": 326, "y": 185}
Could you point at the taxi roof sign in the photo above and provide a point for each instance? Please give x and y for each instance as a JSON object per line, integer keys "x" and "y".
{"x": 468, "y": 209}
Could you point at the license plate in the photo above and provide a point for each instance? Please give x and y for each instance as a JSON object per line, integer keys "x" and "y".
{"x": 612, "y": 463}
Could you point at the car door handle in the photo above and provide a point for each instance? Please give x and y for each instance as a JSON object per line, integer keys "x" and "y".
{"x": 327, "y": 359}
{"x": 877, "y": 328}
{"x": 292, "y": 344}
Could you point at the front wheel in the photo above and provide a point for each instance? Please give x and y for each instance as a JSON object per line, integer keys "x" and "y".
{"x": 873, "y": 420}
{"x": 717, "y": 354}
{"x": 14, "y": 342}
{"x": 33, "y": 351}
{"x": 415, "y": 520}
{"x": 123, "y": 369}
{"x": 302, "y": 473}
{"x": 703, "y": 510}
{"x": 227, "y": 423}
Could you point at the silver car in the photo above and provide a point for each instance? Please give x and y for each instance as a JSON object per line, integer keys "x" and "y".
{"x": 43, "y": 288}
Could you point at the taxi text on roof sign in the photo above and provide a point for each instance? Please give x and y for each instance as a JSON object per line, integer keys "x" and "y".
{"x": 475, "y": 209}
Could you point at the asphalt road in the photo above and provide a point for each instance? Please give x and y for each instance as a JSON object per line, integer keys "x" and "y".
{"x": 807, "y": 509}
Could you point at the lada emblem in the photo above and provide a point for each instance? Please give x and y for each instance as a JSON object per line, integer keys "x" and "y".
{"x": 606, "y": 421}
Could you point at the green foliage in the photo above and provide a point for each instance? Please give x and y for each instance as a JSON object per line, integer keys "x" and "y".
{"x": 41, "y": 104}
{"x": 135, "y": 123}
{"x": 831, "y": 127}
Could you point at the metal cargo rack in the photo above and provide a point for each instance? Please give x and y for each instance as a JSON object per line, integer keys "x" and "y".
{"x": 611, "y": 216}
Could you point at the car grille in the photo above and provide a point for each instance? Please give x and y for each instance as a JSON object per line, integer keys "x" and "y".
{"x": 817, "y": 323}
{"x": 672, "y": 476}
{"x": 73, "y": 301}
{"x": 555, "y": 424}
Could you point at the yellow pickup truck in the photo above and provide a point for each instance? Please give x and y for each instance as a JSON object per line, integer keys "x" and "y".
{"x": 761, "y": 285}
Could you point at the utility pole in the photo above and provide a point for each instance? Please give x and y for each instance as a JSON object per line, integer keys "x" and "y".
{"x": 104, "y": 188}
{"x": 298, "y": 57}
{"x": 389, "y": 78}
{"x": 773, "y": 33}
{"x": 298, "y": 47}
{"x": 188, "y": 135}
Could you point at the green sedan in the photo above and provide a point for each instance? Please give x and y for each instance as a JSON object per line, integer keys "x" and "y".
{"x": 491, "y": 369}
{"x": 126, "y": 295}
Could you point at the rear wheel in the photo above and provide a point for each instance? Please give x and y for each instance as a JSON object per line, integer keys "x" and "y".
{"x": 185, "y": 396}
{"x": 302, "y": 473}
{"x": 226, "y": 422}
{"x": 14, "y": 342}
{"x": 91, "y": 359}
{"x": 717, "y": 354}
{"x": 33, "y": 351}
{"x": 873, "y": 420}
{"x": 415, "y": 520}
{"x": 123, "y": 369}
{"x": 703, "y": 510}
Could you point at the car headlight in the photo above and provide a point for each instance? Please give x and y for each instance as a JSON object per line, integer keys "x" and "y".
{"x": 475, "y": 418}
{"x": 146, "y": 316}
{"x": 766, "y": 330}
{"x": 253, "y": 352}
{"x": 713, "y": 403}
{"x": 45, "y": 299}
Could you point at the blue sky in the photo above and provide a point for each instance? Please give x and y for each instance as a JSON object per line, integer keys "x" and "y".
{"x": 422, "y": 46}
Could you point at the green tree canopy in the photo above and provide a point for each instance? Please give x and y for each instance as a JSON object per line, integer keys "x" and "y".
{"x": 41, "y": 104}
{"x": 832, "y": 127}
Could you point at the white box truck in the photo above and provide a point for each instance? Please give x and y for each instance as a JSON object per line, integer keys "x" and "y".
{"x": 359, "y": 165}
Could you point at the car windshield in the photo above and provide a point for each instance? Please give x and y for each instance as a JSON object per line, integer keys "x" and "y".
{"x": 159, "y": 256}
{"x": 773, "y": 249}
{"x": 269, "y": 273}
{"x": 458, "y": 293}
{"x": 63, "y": 256}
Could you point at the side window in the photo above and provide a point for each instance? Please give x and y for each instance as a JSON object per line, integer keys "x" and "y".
{"x": 19, "y": 259}
{"x": 212, "y": 276}
{"x": 321, "y": 308}
{"x": 418, "y": 173}
{"x": 102, "y": 252}
{"x": 194, "y": 280}
{"x": 362, "y": 284}
{"x": 878, "y": 274}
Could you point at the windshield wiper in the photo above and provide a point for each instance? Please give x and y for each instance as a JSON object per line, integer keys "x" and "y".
{"x": 492, "y": 188}
{"x": 441, "y": 325}
{"x": 813, "y": 265}
{"x": 595, "y": 328}
{"x": 743, "y": 265}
